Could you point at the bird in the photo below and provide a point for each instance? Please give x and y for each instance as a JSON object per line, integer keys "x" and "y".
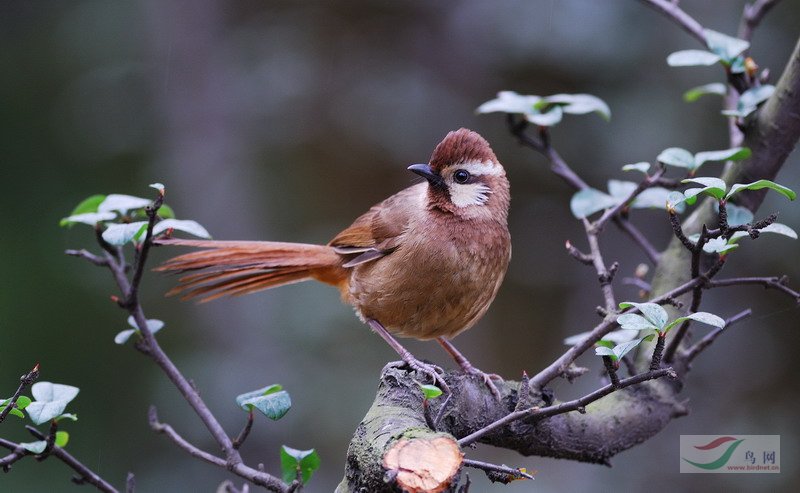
{"x": 425, "y": 263}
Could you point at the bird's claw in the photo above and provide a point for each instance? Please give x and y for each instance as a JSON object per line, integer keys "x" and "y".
{"x": 434, "y": 372}
{"x": 487, "y": 380}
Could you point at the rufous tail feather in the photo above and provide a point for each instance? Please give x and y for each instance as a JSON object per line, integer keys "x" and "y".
{"x": 236, "y": 268}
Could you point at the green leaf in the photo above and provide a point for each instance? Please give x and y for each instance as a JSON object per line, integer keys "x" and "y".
{"x": 90, "y": 218}
{"x": 653, "y": 312}
{"x": 23, "y": 401}
{"x": 509, "y": 102}
{"x": 758, "y": 185}
{"x": 737, "y": 215}
{"x": 122, "y": 203}
{"x": 580, "y": 104}
{"x": 642, "y": 166}
{"x": 711, "y": 186}
{"x": 62, "y": 438}
{"x": 186, "y": 225}
{"x": 692, "y": 58}
{"x": 726, "y": 47}
{"x": 588, "y": 201}
{"x": 702, "y": 317}
{"x": 695, "y": 93}
{"x": 298, "y": 464}
{"x": 605, "y": 343}
{"x": 120, "y": 234}
{"x": 166, "y": 212}
{"x": 633, "y": 321}
{"x": 89, "y": 204}
{"x": 546, "y": 119}
{"x": 70, "y": 416}
{"x": 34, "y": 447}
{"x": 675, "y": 156}
{"x": 430, "y": 391}
{"x": 51, "y": 400}
{"x": 735, "y": 154}
{"x": 271, "y": 401}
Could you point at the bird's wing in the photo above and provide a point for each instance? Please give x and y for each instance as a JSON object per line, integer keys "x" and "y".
{"x": 377, "y": 232}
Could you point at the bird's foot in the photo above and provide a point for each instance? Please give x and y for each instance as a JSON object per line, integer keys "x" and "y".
{"x": 486, "y": 377}
{"x": 432, "y": 371}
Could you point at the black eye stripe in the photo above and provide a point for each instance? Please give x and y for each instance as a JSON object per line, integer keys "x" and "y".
{"x": 461, "y": 176}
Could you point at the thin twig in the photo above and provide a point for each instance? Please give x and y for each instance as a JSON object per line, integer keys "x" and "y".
{"x": 564, "y": 407}
{"x": 239, "y": 440}
{"x": 684, "y": 20}
{"x": 158, "y": 427}
{"x": 778, "y": 283}
{"x": 85, "y": 254}
{"x": 655, "y": 362}
{"x": 511, "y": 472}
{"x": 24, "y": 381}
{"x": 615, "y": 211}
{"x": 604, "y": 274}
{"x": 149, "y": 346}
{"x": 611, "y": 370}
{"x": 691, "y": 353}
{"x": 751, "y": 17}
{"x": 542, "y": 145}
{"x": 560, "y": 365}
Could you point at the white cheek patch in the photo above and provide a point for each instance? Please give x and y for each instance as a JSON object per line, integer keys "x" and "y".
{"x": 469, "y": 194}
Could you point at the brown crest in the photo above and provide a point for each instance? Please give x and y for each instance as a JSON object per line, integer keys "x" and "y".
{"x": 460, "y": 146}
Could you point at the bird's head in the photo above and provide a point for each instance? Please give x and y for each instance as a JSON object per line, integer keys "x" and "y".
{"x": 465, "y": 178}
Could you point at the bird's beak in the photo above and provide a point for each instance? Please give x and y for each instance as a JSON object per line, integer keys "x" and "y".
{"x": 425, "y": 171}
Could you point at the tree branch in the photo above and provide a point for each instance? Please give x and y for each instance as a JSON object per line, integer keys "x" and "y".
{"x": 684, "y": 20}
{"x": 751, "y": 17}
{"x": 691, "y": 353}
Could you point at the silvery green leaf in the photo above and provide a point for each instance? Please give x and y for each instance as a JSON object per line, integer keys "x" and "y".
{"x": 122, "y": 203}
{"x": 758, "y": 185}
{"x": 90, "y": 218}
{"x": 579, "y": 104}
{"x": 185, "y": 225}
{"x": 656, "y": 198}
{"x": 621, "y": 190}
{"x": 675, "y": 156}
{"x": 34, "y": 447}
{"x": 719, "y": 245}
{"x": 726, "y": 47}
{"x": 691, "y": 58}
{"x": 120, "y": 234}
{"x": 546, "y": 119}
{"x": 653, "y": 312}
{"x": 633, "y": 321}
{"x": 588, "y": 201}
{"x": 642, "y": 166}
{"x": 737, "y": 215}
{"x": 734, "y": 154}
{"x": 123, "y": 336}
{"x": 510, "y": 102}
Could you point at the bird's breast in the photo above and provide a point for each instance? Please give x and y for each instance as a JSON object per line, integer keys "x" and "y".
{"x": 438, "y": 282}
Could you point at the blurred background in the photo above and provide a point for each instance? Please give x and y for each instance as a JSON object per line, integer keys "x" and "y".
{"x": 285, "y": 120}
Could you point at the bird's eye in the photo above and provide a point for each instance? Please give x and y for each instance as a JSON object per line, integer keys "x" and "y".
{"x": 461, "y": 176}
